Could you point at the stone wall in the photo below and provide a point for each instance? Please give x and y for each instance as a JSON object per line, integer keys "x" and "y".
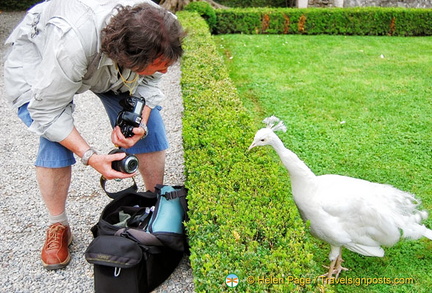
{"x": 366, "y": 3}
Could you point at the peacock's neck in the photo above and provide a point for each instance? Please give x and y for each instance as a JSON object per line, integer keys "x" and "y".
{"x": 303, "y": 180}
{"x": 297, "y": 169}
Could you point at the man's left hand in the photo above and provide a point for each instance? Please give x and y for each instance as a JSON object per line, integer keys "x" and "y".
{"x": 118, "y": 139}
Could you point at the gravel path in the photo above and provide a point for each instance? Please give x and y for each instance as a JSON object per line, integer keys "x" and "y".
{"x": 23, "y": 218}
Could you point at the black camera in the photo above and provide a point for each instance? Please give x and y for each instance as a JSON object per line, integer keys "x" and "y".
{"x": 128, "y": 164}
{"x": 130, "y": 116}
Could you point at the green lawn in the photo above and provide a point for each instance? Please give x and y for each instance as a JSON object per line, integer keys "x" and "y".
{"x": 356, "y": 106}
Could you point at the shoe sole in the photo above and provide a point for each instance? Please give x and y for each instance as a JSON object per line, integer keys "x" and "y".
{"x": 57, "y": 265}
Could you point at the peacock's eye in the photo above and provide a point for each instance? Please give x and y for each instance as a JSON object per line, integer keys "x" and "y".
{"x": 262, "y": 139}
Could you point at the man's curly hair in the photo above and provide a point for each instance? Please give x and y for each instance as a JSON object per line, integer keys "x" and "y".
{"x": 136, "y": 36}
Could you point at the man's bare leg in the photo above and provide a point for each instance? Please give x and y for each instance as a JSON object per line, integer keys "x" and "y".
{"x": 54, "y": 186}
{"x": 152, "y": 168}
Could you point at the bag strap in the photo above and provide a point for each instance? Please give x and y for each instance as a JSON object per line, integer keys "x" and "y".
{"x": 114, "y": 195}
{"x": 180, "y": 192}
{"x": 139, "y": 236}
{"x": 131, "y": 189}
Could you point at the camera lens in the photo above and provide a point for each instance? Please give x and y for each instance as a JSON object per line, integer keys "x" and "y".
{"x": 128, "y": 164}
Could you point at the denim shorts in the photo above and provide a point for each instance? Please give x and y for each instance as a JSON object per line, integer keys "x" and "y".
{"x": 54, "y": 155}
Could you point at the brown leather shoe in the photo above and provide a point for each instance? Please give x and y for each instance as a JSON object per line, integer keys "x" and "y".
{"x": 55, "y": 252}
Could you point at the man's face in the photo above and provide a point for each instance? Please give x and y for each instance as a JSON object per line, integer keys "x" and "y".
{"x": 159, "y": 65}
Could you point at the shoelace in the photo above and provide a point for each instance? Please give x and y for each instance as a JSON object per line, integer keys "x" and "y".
{"x": 54, "y": 237}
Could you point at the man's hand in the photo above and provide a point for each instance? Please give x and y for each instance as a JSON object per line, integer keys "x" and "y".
{"x": 120, "y": 140}
{"x": 102, "y": 164}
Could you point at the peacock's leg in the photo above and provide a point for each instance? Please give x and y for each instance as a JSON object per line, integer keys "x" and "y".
{"x": 329, "y": 274}
{"x": 339, "y": 268}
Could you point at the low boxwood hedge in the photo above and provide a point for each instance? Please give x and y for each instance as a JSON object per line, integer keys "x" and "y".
{"x": 242, "y": 217}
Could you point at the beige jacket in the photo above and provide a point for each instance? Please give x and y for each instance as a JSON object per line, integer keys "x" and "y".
{"x": 54, "y": 54}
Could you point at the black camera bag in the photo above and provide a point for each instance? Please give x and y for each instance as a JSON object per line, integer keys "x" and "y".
{"x": 138, "y": 254}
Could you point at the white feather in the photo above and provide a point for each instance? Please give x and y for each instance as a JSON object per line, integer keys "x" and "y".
{"x": 271, "y": 121}
{"x": 348, "y": 212}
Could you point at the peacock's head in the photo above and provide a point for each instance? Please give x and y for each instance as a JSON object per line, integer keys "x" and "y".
{"x": 266, "y": 135}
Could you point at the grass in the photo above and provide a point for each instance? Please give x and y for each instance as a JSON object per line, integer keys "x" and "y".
{"x": 356, "y": 106}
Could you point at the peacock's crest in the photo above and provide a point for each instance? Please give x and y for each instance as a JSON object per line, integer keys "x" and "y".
{"x": 275, "y": 124}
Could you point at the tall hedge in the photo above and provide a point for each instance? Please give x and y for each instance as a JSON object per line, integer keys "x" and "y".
{"x": 11, "y": 5}
{"x": 257, "y": 3}
{"x": 242, "y": 217}
{"x": 19, "y": 5}
{"x": 343, "y": 21}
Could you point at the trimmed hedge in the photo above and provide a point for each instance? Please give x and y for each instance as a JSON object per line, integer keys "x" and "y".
{"x": 343, "y": 21}
{"x": 205, "y": 10}
{"x": 18, "y": 5}
{"x": 242, "y": 216}
{"x": 257, "y": 3}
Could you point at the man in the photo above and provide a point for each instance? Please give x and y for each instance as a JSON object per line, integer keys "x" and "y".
{"x": 114, "y": 48}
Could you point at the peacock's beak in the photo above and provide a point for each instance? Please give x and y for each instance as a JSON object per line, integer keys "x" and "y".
{"x": 251, "y": 146}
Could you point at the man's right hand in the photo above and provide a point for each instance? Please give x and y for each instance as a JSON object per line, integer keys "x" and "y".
{"x": 103, "y": 164}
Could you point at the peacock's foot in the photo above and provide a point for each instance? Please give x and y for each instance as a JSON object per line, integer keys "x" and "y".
{"x": 334, "y": 270}
{"x": 334, "y": 274}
